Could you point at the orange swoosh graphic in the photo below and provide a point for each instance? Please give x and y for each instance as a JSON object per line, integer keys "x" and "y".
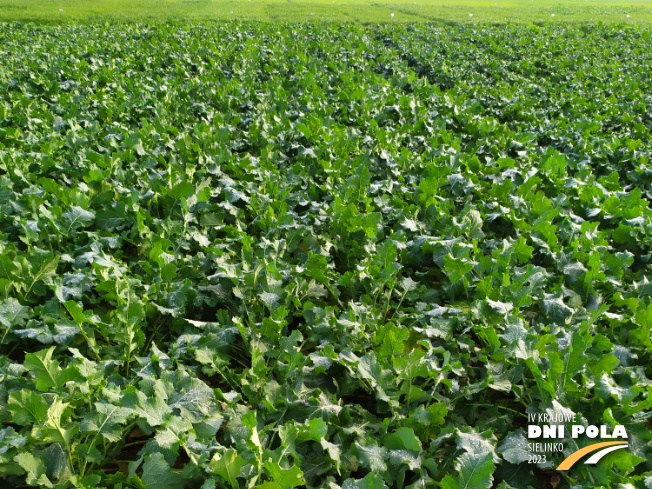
{"x": 574, "y": 457}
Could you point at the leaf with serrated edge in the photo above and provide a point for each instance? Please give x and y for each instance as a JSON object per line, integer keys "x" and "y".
{"x": 228, "y": 465}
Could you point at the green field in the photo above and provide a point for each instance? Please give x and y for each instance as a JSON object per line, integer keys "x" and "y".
{"x": 439, "y": 12}
{"x": 273, "y": 256}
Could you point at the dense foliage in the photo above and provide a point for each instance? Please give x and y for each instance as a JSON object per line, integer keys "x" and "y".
{"x": 323, "y": 256}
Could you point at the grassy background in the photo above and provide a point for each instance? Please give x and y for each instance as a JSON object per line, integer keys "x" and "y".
{"x": 359, "y": 11}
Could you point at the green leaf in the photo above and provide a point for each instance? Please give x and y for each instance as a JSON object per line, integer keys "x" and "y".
{"x": 475, "y": 443}
{"x": 53, "y": 429}
{"x": 403, "y": 439}
{"x": 113, "y": 216}
{"x": 12, "y": 313}
{"x": 76, "y": 312}
{"x": 555, "y": 309}
{"x": 515, "y": 447}
{"x": 624, "y": 460}
{"x": 385, "y": 259}
{"x": 522, "y": 251}
{"x": 157, "y": 474}
{"x": 456, "y": 268}
{"x": 291, "y": 477}
{"x": 334, "y": 452}
{"x": 228, "y": 465}
{"x": 371, "y": 455}
{"x": 41, "y": 266}
{"x": 607, "y": 387}
{"x": 574, "y": 271}
{"x": 27, "y": 407}
{"x": 55, "y": 458}
{"x": 35, "y": 469}
{"x": 500, "y": 308}
{"x": 474, "y": 223}
{"x": 47, "y": 371}
{"x": 106, "y": 420}
{"x": 474, "y": 472}
{"x": 542, "y": 383}
{"x": 392, "y": 339}
{"x": 152, "y": 409}
{"x": 315, "y": 267}
{"x": 516, "y": 476}
{"x": 411, "y": 365}
{"x": 606, "y": 363}
{"x": 370, "y": 481}
{"x": 249, "y": 421}
{"x": 78, "y": 217}
{"x": 316, "y": 429}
